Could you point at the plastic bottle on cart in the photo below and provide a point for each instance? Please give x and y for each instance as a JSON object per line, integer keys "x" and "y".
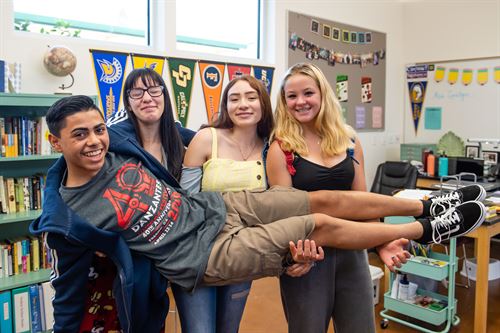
{"x": 443, "y": 165}
{"x": 404, "y": 286}
{"x": 431, "y": 164}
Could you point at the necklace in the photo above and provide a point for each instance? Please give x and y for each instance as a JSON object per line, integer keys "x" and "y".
{"x": 249, "y": 153}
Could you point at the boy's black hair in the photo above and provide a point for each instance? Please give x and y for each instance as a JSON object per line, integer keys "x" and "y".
{"x": 65, "y": 107}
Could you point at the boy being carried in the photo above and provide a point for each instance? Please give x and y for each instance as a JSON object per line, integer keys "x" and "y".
{"x": 208, "y": 238}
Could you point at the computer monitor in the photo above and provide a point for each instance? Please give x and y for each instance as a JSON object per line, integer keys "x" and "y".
{"x": 471, "y": 165}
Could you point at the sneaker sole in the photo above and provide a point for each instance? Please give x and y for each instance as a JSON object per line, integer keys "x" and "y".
{"x": 482, "y": 194}
{"x": 479, "y": 222}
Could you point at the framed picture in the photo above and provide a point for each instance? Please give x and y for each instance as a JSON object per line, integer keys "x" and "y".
{"x": 314, "y": 26}
{"x": 361, "y": 37}
{"x": 368, "y": 37}
{"x": 490, "y": 157}
{"x": 335, "y": 33}
{"x": 472, "y": 151}
{"x": 354, "y": 37}
{"x": 327, "y": 31}
{"x": 346, "y": 36}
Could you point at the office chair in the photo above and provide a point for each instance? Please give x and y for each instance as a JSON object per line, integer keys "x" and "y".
{"x": 393, "y": 176}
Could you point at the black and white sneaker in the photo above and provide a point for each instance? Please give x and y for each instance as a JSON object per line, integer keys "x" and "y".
{"x": 455, "y": 222}
{"x": 441, "y": 203}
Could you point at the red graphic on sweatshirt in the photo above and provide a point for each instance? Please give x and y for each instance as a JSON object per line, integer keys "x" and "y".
{"x": 132, "y": 178}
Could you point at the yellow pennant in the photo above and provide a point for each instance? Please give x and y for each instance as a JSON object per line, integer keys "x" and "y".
{"x": 439, "y": 74}
{"x": 147, "y": 61}
{"x": 482, "y": 76}
{"x": 453, "y": 75}
{"x": 466, "y": 77}
{"x": 496, "y": 74}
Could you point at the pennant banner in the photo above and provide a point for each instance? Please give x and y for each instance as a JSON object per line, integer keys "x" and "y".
{"x": 452, "y": 76}
{"x": 146, "y": 61}
{"x": 236, "y": 70}
{"x": 439, "y": 74}
{"x": 212, "y": 75}
{"x": 466, "y": 77}
{"x": 182, "y": 76}
{"x": 417, "y": 95}
{"x": 265, "y": 74}
{"x": 109, "y": 69}
{"x": 482, "y": 76}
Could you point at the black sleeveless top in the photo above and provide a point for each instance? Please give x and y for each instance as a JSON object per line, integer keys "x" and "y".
{"x": 312, "y": 177}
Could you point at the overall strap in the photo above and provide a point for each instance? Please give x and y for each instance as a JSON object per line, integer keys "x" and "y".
{"x": 289, "y": 159}
{"x": 214, "y": 142}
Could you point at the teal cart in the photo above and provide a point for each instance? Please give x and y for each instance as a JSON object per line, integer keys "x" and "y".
{"x": 436, "y": 266}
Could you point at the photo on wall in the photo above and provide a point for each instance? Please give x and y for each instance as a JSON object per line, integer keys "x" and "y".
{"x": 368, "y": 37}
{"x": 354, "y": 37}
{"x": 314, "y": 26}
{"x": 335, "y": 33}
{"x": 346, "y": 36}
{"x": 326, "y": 31}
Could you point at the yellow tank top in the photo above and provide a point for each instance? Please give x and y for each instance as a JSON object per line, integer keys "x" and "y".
{"x": 223, "y": 175}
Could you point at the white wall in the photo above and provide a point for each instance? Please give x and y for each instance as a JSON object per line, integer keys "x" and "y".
{"x": 453, "y": 30}
{"x": 413, "y": 28}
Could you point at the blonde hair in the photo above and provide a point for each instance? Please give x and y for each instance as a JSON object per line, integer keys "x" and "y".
{"x": 336, "y": 135}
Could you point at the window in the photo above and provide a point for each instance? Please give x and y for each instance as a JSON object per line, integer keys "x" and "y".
{"x": 122, "y": 21}
{"x": 222, "y": 27}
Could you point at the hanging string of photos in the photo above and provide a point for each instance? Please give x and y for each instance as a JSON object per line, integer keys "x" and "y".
{"x": 110, "y": 70}
{"x": 314, "y": 52}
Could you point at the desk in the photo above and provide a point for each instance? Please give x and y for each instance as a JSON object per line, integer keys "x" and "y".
{"x": 482, "y": 237}
{"x": 429, "y": 182}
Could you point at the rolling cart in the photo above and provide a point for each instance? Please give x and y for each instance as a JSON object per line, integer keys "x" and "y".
{"x": 436, "y": 266}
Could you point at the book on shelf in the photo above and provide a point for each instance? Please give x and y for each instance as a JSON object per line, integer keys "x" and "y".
{"x": 5, "y": 312}
{"x": 22, "y": 256}
{"x": 11, "y": 194}
{"x": 23, "y": 136}
{"x": 21, "y": 310}
{"x": 48, "y": 296}
{"x": 3, "y": 197}
{"x": 35, "y": 310}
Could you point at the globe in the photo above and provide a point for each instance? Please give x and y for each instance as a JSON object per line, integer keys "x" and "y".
{"x": 59, "y": 61}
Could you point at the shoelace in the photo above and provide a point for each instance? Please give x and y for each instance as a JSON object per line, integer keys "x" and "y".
{"x": 444, "y": 202}
{"x": 445, "y": 221}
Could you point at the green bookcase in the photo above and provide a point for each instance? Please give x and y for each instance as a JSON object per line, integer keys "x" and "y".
{"x": 16, "y": 224}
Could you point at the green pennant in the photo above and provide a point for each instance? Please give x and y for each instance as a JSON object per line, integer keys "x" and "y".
{"x": 182, "y": 76}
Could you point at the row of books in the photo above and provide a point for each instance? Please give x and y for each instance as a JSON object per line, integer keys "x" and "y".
{"x": 21, "y": 194}
{"x": 22, "y": 136}
{"x": 23, "y": 255}
{"x": 27, "y": 309}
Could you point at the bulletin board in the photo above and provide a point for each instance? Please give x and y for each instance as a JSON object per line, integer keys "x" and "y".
{"x": 353, "y": 60}
{"x": 462, "y": 96}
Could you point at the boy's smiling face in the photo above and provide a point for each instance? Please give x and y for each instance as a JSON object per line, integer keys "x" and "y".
{"x": 84, "y": 142}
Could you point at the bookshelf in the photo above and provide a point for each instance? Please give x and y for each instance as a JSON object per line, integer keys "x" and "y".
{"x": 16, "y": 224}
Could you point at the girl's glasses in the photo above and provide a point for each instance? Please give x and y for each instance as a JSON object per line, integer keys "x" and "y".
{"x": 136, "y": 93}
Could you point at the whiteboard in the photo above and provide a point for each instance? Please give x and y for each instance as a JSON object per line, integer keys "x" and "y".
{"x": 470, "y": 110}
